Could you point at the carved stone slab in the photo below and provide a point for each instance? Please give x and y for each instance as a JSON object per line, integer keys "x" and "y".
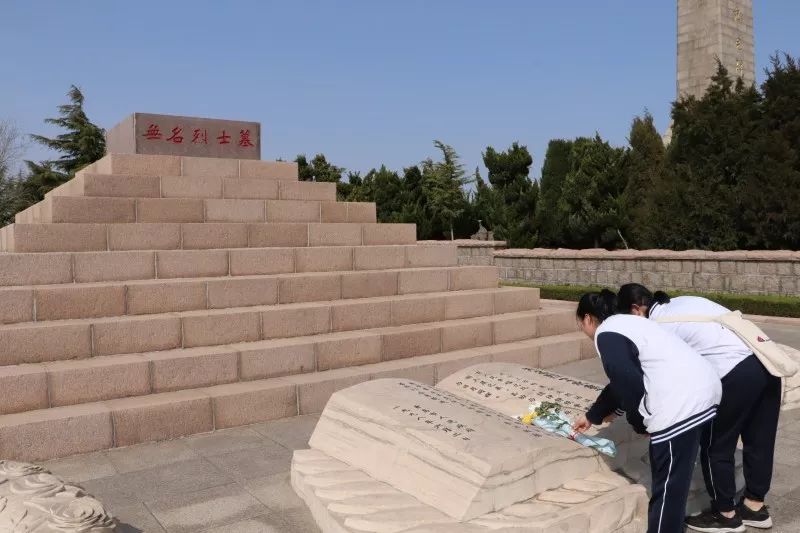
{"x": 448, "y": 452}
{"x": 32, "y": 500}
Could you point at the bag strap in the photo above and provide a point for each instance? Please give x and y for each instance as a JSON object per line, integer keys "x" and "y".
{"x": 697, "y": 318}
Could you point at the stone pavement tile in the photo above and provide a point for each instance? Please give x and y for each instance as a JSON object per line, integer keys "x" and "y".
{"x": 217, "y": 506}
{"x": 152, "y": 454}
{"x": 254, "y": 463}
{"x": 256, "y": 524}
{"x": 785, "y": 479}
{"x": 275, "y": 492}
{"x": 136, "y": 519}
{"x": 80, "y": 468}
{"x": 156, "y": 483}
{"x": 785, "y": 515}
{"x": 224, "y": 441}
{"x": 293, "y": 433}
{"x": 787, "y": 452}
{"x": 298, "y": 521}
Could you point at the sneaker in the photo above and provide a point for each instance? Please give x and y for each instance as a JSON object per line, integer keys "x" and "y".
{"x": 759, "y": 519}
{"x": 713, "y": 522}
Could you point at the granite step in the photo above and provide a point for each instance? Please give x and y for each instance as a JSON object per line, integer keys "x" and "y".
{"x": 128, "y": 186}
{"x": 143, "y": 297}
{"x": 85, "y": 210}
{"x": 83, "y": 267}
{"x": 55, "y": 384}
{"x": 200, "y": 167}
{"x": 61, "y": 431}
{"x": 69, "y": 237}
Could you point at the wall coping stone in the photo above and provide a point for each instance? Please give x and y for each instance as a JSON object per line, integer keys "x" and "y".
{"x": 599, "y": 253}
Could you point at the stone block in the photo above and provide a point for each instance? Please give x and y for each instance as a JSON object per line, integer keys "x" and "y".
{"x": 348, "y": 349}
{"x": 767, "y": 267}
{"x": 296, "y": 321}
{"x": 431, "y": 256}
{"x": 379, "y": 257}
{"x": 292, "y": 211}
{"x": 24, "y": 389}
{"x": 35, "y": 269}
{"x": 511, "y": 328}
{"x": 276, "y": 358}
{"x": 97, "y": 379}
{"x": 235, "y": 211}
{"x": 556, "y": 322}
{"x": 784, "y": 269}
{"x": 193, "y": 368}
{"x": 144, "y": 236}
{"x": 515, "y": 299}
{"x": 260, "y": 261}
{"x": 66, "y": 237}
{"x": 452, "y": 362}
{"x": 333, "y": 212}
{"x": 248, "y": 403}
{"x": 310, "y": 287}
{"x": 79, "y": 301}
{"x": 417, "y": 310}
{"x": 465, "y": 278}
{"x": 314, "y": 389}
{"x": 165, "y": 297}
{"x": 422, "y": 280}
{"x": 276, "y": 170}
{"x": 250, "y": 188}
{"x": 469, "y": 304}
{"x": 91, "y": 210}
{"x": 369, "y": 284}
{"x": 559, "y": 353}
{"x": 214, "y": 235}
{"x": 191, "y": 187}
{"x": 136, "y": 334}
{"x": 155, "y": 210}
{"x": 243, "y": 292}
{"x": 277, "y": 235}
{"x": 334, "y": 234}
{"x": 466, "y": 334}
{"x": 221, "y": 327}
{"x": 50, "y": 433}
{"x": 405, "y": 369}
{"x": 523, "y": 353}
{"x": 350, "y": 316}
{"x": 36, "y": 343}
{"x": 114, "y": 266}
{"x": 307, "y": 190}
{"x": 375, "y": 234}
{"x": 160, "y": 416}
{"x": 16, "y": 305}
{"x": 361, "y": 212}
{"x": 110, "y": 186}
{"x": 411, "y": 341}
{"x": 139, "y": 165}
{"x": 191, "y": 263}
{"x": 209, "y": 167}
{"x": 324, "y": 259}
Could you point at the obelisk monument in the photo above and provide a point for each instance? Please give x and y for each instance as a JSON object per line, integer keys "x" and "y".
{"x": 709, "y": 30}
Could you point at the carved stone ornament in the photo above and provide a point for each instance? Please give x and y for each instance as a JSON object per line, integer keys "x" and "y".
{"x": 32, "y": 500}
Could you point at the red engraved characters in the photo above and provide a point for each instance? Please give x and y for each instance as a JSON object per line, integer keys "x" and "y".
{"x": 224, "y": 138}
{"x": 244, "y": 138}
{"x": 176, "y": 136}
{"x": 152, "y": 132}
{"x": 200, "y": 136}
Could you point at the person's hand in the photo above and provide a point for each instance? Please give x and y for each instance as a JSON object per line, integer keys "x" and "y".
{"x": 582, "y": 424}
{"x": 610, "y": 418}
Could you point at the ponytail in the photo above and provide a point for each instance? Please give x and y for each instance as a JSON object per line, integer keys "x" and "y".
{"x": 600, "y": 305}
{"x": 661, "y": 297}
{"x": 632, "y": 294}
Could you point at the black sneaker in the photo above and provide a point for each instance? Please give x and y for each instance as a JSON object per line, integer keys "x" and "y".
{"x": 759, "y": 519}
{"x": 713, "y": 522}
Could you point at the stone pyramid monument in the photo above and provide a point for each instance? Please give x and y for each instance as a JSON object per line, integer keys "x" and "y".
{"x": 180, "y": 284}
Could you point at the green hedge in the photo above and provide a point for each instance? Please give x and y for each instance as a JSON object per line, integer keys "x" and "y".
{"x": 754, "y": 304}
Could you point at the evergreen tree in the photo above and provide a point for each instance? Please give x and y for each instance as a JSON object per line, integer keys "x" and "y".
{"x": 508, "y": 175}
{"x": 442, "y": 183}
{"x": 319, "y": 169}
{"x": 550, "y": 220}
{"x": 82, "y": 144}
{"x": 644, "y": 168}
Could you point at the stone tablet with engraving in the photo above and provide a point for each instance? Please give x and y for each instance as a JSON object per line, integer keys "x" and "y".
{"x": 146, "y": 133}
{"x": 446, "y": 451}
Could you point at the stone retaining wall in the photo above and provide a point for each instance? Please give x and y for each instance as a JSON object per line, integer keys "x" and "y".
{"x": 744, "y": 272}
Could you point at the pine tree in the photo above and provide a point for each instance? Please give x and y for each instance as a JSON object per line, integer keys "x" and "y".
{"x": 512, "y": 186}
{"x": 442, "y": 183}
{"x": 550, "y": 220}
{"x": 644, "y": 168}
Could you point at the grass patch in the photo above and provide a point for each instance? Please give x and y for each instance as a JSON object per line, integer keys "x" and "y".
{"x": 753, "y": 304}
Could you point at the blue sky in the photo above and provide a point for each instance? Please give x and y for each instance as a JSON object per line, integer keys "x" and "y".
{"x": 364, "y": 82}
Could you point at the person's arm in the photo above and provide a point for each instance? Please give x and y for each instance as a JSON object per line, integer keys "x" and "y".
{"x": 621, "y": 362}
{"x": 606, "y": 404}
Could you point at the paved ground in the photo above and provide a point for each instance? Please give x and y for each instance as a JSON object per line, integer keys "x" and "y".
{"x": 237, "y": 481}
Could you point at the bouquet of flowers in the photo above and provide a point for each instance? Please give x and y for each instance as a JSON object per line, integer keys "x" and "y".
{"x": 550, "y": 417}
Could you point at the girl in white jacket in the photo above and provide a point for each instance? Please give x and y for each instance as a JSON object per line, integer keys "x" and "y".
{"x": 666, "y": 389}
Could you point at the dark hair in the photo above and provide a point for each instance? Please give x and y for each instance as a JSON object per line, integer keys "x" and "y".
{"x": 600, "y": 305}
{"x": 632, "y": 294}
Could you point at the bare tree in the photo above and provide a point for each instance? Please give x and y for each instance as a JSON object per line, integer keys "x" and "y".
{"x": 12, "y": 147}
